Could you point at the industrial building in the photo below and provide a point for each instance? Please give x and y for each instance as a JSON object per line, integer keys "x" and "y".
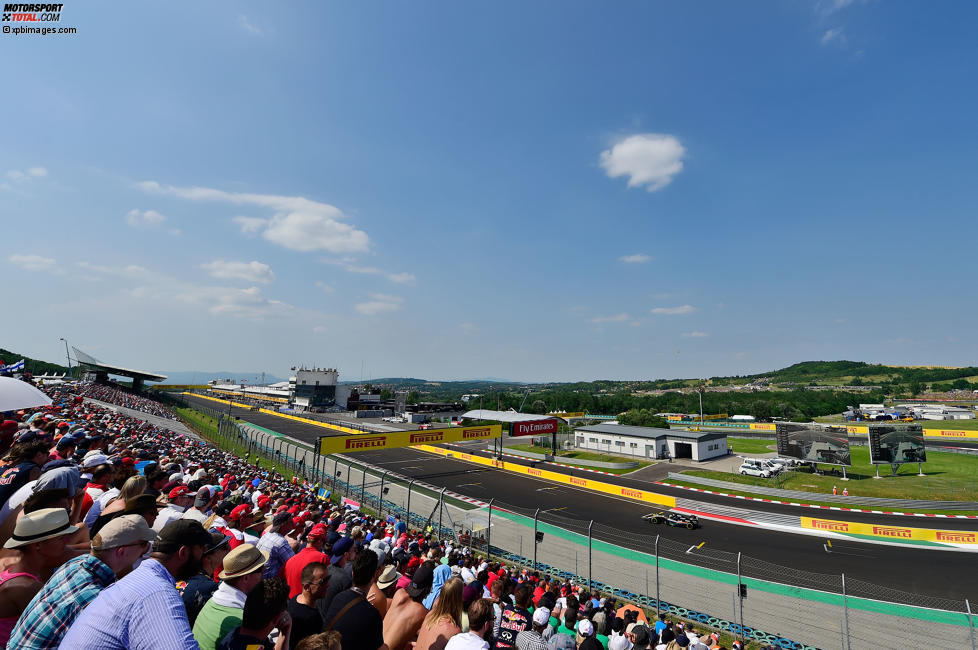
{"x": 650, "y": 442}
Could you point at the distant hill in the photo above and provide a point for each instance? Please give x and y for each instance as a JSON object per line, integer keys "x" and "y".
{"x": 856, "y": 373}
{"x": 33, "y": 366}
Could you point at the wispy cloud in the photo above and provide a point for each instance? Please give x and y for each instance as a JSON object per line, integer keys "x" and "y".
{"x": 674, "y": 311}
{"x": 380, "y": 303}
{"x": 637, "y": 258}
{"x": 468, "y": 327}
{"x": 350, "y": 266}
{"x": 326, "y": 288}
{"x": 298, "y": 223}
{"x": 35, "y": 263}
{"x": 834, "y": 35}
{"x": 138, "y": 218}
{"x": 248, "y": 271}
{"x": 617, "y": 318}
{"x": 694, "y": 335}
{"x": 649, "y": 159}
{"x": 244, "y": 23}
{"x": 19, "y": 176}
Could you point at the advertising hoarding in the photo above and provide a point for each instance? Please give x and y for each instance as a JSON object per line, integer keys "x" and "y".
{"x": 810, "y": 444}
{"x": 535, "y": 428}
{"x": 376, "y": 441}
{"x": 895, "y": 444}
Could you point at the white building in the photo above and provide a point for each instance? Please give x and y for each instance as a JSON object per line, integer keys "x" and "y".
{"x": 650, "y": 442}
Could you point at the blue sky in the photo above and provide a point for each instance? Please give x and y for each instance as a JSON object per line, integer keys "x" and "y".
{"x": 535, "y": 191}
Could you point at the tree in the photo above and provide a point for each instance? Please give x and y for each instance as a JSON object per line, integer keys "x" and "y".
{"x": 916, "y": 388}
{"x": 761, "y": 410}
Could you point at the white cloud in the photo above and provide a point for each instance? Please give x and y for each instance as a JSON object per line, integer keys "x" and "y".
{"x": 36, "y": 263}
{"x": 381, "y": 303}
{"x": 674, "y": 311}
{"x": 637, "y": 258}
{"x": 401, "y": 278}
{"x": 694, "y": 335}
{"x": 247, "y": 26}
{"x": 250, "y": 225}
{"x": 617, "y": 318}
{"x": 349, "y": 266}
{"x": 247, "y": 271}
{"x": 833, "y": 35}
{"x": 137, "y": 218}
{"x": 298, "y": 223}
{"x": 649, "y": 159}
{"x": 327, "y": 288}
{"x": 239, "y": 303}
{"x": 19, "y": 176}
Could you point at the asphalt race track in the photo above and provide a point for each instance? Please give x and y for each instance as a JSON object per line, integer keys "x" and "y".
{"x": 946, "y": 574}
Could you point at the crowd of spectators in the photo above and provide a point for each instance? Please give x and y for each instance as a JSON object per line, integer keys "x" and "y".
{"x": 118, "y": 534}
{"x": 121, "y": 397}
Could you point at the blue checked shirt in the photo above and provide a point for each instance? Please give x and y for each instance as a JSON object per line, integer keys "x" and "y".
{"x": 278, "y": 550}
{"x": 55, "y": 607}
{"x": 142, "y": 611}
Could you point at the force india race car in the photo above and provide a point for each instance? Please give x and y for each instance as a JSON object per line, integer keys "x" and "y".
{"x": 673, "y": 519}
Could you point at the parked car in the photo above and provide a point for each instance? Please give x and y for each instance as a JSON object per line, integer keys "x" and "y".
{"x": 749, "y": 469}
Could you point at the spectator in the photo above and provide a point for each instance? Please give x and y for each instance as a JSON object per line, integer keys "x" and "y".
{"x": 201, "y": 587}
{"x": 480, "y": 624}
{"x": 313, "y": 552}
{"x": 143, "y": 611}
{"x": 105, "y": 505}
{"x": 274, "y": 543}
{"x": 445, "y": 618}
{"x": 340, "y": 578}
{"x": 264, "y": 610}
{"x": 516, "y": 618}
{"x": 383, "y": 588}
{"x": 77, "y": 582}
{"x": 204, "y": 501}
{"x": 179, "y": 499}
{"x": 222, "y": 613}
{"x": 357, "y": 621}
{"x": 324, "y": 641}
{"x": 40, "y": 537}
{"x": 532, "y": 639}
{"x": 24, "y": 462}
{"x": 306, "y": 619}
{"x": 442, "y": 573}
{"x": 407, "y": 611}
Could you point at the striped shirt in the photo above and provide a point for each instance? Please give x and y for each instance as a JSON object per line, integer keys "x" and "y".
{"x": 57, "y": 605}
{"x": 143, "y": 611}
{"x": 279, "y": 553}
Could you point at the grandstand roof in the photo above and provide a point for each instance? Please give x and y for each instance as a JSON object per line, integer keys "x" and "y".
{"x": 93, "y": 363}
{"x": 505, "y": 416}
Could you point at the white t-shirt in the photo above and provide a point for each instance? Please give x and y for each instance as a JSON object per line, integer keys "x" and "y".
{"x": 467, "y": 641}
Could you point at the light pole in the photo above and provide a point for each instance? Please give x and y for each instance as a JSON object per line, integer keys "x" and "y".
{"x": 67, "y": 356}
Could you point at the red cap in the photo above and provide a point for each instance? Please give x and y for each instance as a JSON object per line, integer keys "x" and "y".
{"x": 128, "y": 461}
{"x": 239, "y": 512}
{"x": 263, "y": 501}
{"x": 318, "y": 530}
{"x": 178, "y": 491}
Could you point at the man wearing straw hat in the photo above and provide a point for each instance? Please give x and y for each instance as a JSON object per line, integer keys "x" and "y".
{"x": 222, "y": 613}
{"x": 76, "y": 583}
{"x": 41, "y": 537}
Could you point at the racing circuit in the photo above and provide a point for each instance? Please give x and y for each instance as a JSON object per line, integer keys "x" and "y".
{"x": 928, "y": 571}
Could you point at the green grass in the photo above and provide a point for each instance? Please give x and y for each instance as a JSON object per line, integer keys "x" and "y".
{"x": 949, "y": 477}
{"x": 567, "y": 457}
{"x": 751, "y": 445}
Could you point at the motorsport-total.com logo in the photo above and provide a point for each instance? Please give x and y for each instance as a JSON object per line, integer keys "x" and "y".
{"x": 29, "y": 13}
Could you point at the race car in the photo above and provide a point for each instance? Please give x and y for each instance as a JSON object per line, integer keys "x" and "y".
{"x": 673, "y": 519}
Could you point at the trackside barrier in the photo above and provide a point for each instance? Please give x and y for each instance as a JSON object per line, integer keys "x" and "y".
{"x": 644, "y": 569}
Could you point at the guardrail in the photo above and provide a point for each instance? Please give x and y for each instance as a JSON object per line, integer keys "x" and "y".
{"x": 786, "y": 607}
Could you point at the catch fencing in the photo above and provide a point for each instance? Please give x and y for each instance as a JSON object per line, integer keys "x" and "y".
{"x": 745, "y": 596}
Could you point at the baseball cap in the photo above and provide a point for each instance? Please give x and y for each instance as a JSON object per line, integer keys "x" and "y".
{"x": 421, "y": 581}
{"x": 541, "y": 616}
{"x": 586, "y": 628}
{"x": 239, "y": 511}
{"x": 182, "y": 532}
{"x": 179, "y": 491}
{"x": 341, "y": 546}
{"x": 122, "y": 531}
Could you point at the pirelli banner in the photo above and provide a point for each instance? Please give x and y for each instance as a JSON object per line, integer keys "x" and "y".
{"x": 378, "y": 441}
{"x": 960, "y": 538}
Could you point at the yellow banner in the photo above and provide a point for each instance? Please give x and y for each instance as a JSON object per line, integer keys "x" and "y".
{"x": 947, "y": 434}
{"x": 895, "y": 533}
{"x": 393, "y": 440}
{"x": 576, "y": 481}
{"x": 567, "y": 416}
{"x": 763, "y": 426}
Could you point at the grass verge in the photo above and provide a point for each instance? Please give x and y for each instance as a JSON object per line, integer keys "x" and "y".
{"x": 568, "y": 458}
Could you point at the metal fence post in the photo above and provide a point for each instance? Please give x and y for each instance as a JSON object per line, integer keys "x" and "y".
{"x": 589, "y": 526}
{"x": 740, "y": 598}
{"x": 845, "y": 609}
{"x": 489, "y": 532}
{"x": 536, "y": 517}
{"x": 657, "y": 607}
{"x": 408, "y": 508}
{"x": 441, "y": 507}
{"x": 380, "y": 498}
{"x": 363, "y": 485}
{"x": 971, "y": 623}
{"x": 348, "y": 492}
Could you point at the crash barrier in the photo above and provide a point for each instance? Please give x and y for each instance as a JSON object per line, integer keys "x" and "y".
{"x": 340, "y": 426}
{"x": 785, "y": 606}
{"x": 799, "y": 495}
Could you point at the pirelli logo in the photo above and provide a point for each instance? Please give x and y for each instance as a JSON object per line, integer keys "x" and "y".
{"x": 366, "y": 442}
{"x": 958, "y": 538}
{"x": 833, "y": 526}
{"x": 418, "y": 438}
{"x": 578, "y": 481}
{"x": 534, "y": 472}
{"x": 478, "y": 432}
{"x": 952, "y": 434}
{"x": 887, "y": 531}
{"x": 635, "y": 494}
